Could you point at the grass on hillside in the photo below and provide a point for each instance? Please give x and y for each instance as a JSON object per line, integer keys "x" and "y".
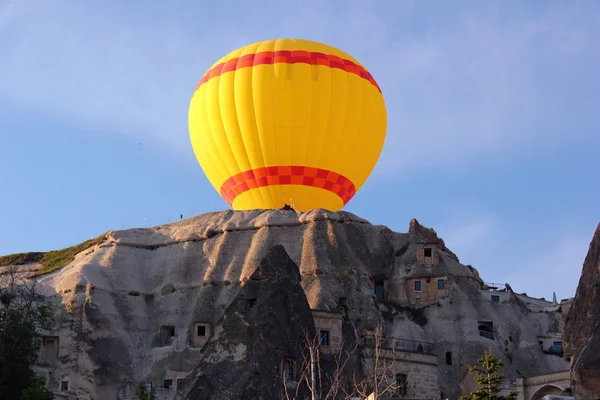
{"x": 51, "y": 260}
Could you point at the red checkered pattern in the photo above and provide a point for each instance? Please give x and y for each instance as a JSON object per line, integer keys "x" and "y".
{"x": 288, "y": 175}
{"x": 289, "y": 57}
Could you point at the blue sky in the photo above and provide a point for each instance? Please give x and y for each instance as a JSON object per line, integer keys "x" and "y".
{"x": 493, "y": 108}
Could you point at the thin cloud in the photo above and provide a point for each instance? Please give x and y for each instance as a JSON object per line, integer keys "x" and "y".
{"x": 556, "y": 268}
{"x": 487, "y": 89}
{"x": 472, "y": 85}
{"x": 94, "y": 72}
{"x": 472, "y": 236}
{"x": 539, "y": 266}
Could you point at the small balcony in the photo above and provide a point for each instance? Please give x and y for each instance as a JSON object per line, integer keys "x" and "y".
{"x": 551, "y": 351}
{"x": 399, "y": 344}
{"x": 494, "y": 287}
{"x": 555, "y": 350}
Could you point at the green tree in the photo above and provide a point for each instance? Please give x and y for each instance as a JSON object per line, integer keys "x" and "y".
{"x": 37, "y": 390}
{"x": 23, "y": 313}
{"x": 489, "y": 379}
{"x": 144, "y": 394}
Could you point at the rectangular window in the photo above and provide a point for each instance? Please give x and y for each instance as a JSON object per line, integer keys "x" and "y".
{"x": 324, "y": 338}
{"x": 557, "y": 347}
{"x": 401, "y": 383}
{"x": 441, "y": 284}
{"x": 64, "y": 386}
{"x": 201, "y": 330}
{"x": 167, "y": 330}
{"x": 449, "y": 357}
{"x": 427, "y": 252}
{"x": 379, "y": 290}
{"x": 167, "y": 383}
{"x": 417, "y": 286}
{"x": 495, "y": 298}
{"x": 541, "y": 344}
{"x": 486, "y": 329}
{"x": 288, "y": 370}
{"x": 251, "y": 303}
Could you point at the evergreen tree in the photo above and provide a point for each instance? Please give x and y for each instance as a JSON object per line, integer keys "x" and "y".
{"x": 144, "y": 394}
{"x": 489, "y": 379}
{"x": 37, "y": 390}
{"x": 23, "y": 312}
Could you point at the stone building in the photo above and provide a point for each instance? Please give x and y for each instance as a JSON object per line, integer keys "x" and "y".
{"x": 328, "y": 326}
{"x": 538, "y": 386}
{"x": 411, "y": 365}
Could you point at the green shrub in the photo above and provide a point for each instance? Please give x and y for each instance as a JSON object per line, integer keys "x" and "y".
{"x": 51, "y": 260}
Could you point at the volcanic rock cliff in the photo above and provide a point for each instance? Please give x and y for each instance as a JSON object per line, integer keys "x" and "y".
{"x": 252, "y": 338}
{"x": 164, "y": 304}
{"x": 582, "y": 326}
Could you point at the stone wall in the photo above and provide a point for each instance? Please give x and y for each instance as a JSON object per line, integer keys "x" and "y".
{"x": 330, "y": 322}
{"x": 420, "y": 370}
{"x": 429, "y": 292}
{"x": 536, "y": 387}
{"x": 427, "y": 254}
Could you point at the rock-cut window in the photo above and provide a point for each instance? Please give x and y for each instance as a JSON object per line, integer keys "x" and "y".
{"x": 168, "y": 330}
{"x": 251, "y": 303}
{"x": 379, "y": 290}
{"x": 557, "y": 347}
{"x": 449, "y": 358}
{"x": 201, "y": 330}
{"x": 401, "y": 380}
{"x": 324, "y": 338}
{"x": 287, "y": 368}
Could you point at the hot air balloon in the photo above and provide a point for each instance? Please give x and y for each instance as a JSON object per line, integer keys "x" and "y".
{"x": 287, "y": 121}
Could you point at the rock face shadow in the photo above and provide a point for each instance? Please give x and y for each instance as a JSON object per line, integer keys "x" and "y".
{"x": 265, "y": 324}
{"x": 582, "y": 326}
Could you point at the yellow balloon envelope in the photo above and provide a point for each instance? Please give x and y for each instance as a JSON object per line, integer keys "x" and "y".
{"x": 287, "y": 121}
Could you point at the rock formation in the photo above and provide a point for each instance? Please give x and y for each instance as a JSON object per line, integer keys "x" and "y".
{"x": 264, "y": 324}
{"x": 582, "y": 327}
{"x": 166, "y": 305}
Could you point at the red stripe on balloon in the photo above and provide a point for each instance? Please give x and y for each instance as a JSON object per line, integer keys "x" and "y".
{"x": 288, "y": 57}
{"x": 288, "y": 175}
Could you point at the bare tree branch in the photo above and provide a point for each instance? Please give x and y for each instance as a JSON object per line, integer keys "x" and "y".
{"x": 377, "y": 381}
